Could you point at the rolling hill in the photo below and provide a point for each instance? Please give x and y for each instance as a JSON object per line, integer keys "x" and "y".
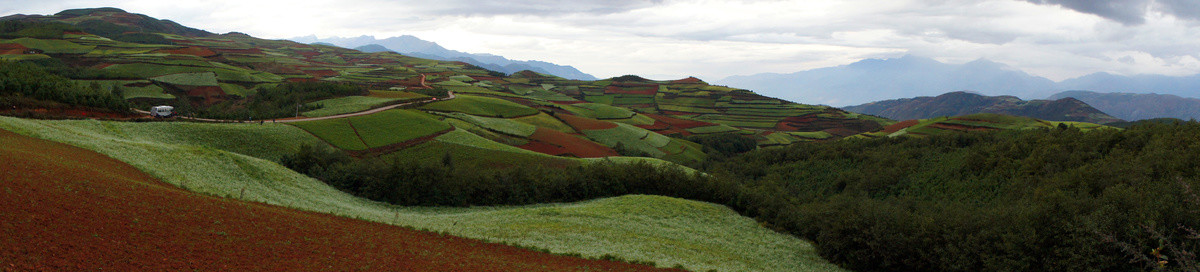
{"x": 964, "y": 103}
{"x": 972, "y": 122}
{"x": 494, "y": 120}
{"x": 75, "y": 209}
{"x": 236, "y": 76}
{"x": 1135, "y": 106}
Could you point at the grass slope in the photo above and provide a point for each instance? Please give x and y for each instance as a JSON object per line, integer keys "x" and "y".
{"x": 683, "y": 238}
{"x": 481, "y": 106}
{"x": 349, "y": 104}
{"x": 73, "y": 209}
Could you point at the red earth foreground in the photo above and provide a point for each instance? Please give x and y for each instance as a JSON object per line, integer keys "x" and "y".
{"x": 64, "y": 208}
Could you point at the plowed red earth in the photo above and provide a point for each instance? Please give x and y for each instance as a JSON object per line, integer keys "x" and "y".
{"x": 899, "y": 125}
{"x": 194, "y": 51}
{"x": 678, "y": 123}
{"x": 553, "y": 142}
{"x": 63, "y": 208}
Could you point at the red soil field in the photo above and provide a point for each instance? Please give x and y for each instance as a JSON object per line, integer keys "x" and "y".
{"x": 302, "y": 80}
{"x": 555, "y": 142}
{"x": 582, "y": 123}
{"x": 650, "y": 90}
{"x": 211, "y": 94}
{"x": 309, "y": 54}
{"x": 248, "y": 51}
{"x": 657, "y": 125}
{"x": 678, "y": 123}
{"x": 194, "y": 51}
{"x": 12, "y": 49}
{"x": 898, "y": 126}
{"x": 64, "y": 208}
{"x": 322, "y": 73}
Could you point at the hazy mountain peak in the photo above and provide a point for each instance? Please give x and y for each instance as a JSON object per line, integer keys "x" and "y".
{"x": 907, "y": 76}
{"x": 963, "y": 103}
{"x": 413, "y": 46}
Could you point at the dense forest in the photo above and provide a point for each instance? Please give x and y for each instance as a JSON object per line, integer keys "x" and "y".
{"x": 1036, "y": 200}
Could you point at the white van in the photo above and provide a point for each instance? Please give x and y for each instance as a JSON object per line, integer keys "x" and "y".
{"x": 161, "y": 111}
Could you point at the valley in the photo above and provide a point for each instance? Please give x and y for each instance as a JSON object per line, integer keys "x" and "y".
{"x": 282, "y": 155}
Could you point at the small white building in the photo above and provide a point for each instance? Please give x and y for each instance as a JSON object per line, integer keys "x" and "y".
{"x": 161, "y": 111}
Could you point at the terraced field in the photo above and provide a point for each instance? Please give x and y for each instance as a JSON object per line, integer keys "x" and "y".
{"x": 222, "y": 173}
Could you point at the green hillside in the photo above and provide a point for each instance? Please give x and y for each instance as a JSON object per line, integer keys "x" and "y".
{"x": 703, "y": 236}
{"x": 973, "y": 122}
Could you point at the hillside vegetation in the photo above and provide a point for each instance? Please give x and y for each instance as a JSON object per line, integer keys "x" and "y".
{"x": 1017, "y": 200}
{"x": 691, "y": 228}
{"x": 142, "y": 223}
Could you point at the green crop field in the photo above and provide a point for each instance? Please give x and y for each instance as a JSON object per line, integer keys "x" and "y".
{"x": 349, "y": 104}
{"x": 631, "y": 137}
{"x": 712, "y": 129}
{"x": 689, "y": 109}
{"x": 189, "y": 79}
{"x": 52, "y": 46}
{"x": 481, "y": 106}
{"x": 501, "y": 125}
{"x": 546, "y": 121}
{"x": 336, "y": 132}
{"x": 599, "y": 111}
{"x": 395, "y": 126}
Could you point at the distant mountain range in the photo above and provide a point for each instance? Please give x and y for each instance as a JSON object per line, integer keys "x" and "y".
{"x": 910, "y": 76}
{"x": 416, "y": 47}
{"x": 1131, "y": 106}
{"x": 964, "y": 103}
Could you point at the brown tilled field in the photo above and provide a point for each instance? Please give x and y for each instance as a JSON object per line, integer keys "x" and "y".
{"x": 64, "y": 208}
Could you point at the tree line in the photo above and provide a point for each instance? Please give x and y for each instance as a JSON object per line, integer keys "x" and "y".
{"x": 1035, "y": 200}
{"x": 25, "y": 84}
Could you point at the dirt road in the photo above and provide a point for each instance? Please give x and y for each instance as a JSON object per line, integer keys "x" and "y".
{"x": 450, "y": 95}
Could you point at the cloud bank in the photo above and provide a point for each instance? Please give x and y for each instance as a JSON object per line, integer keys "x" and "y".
{"x": 712, "y": 39}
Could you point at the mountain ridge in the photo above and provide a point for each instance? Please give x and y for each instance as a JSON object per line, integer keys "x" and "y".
{"x": 965, "y": 103}
{"x": 1138, "y": 106}
{"x": 413, "y": 46}
{"x": 880, "y": 79}
{"x": 910, "y": 76}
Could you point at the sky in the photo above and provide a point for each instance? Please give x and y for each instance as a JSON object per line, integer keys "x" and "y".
{"x": 713, "y": 39}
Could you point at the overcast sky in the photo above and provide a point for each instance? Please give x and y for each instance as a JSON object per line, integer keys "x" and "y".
{"x": 665, "y": 39}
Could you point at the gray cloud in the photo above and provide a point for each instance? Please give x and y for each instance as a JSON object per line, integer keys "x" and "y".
{"x": 1188, "y": 9}
{"x": 533, "y": 7}
{"x": 1129, "y": 12}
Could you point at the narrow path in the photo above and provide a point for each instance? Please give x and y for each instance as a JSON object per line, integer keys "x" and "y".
{"x": 450, "y": 95}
